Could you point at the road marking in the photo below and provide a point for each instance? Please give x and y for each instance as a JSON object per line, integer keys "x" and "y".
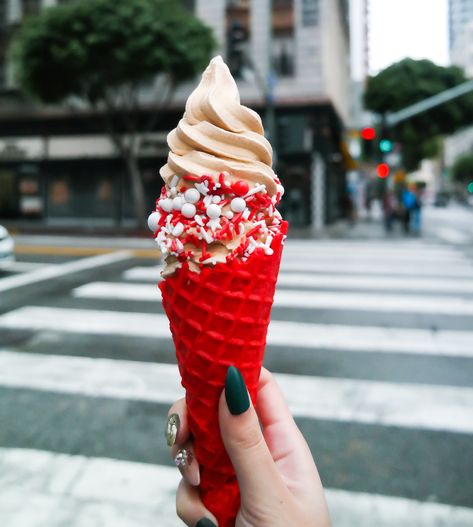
{"x": 355, "y": 254}
{"x": 336, "y": 281}
{"x": 452, "y": 235}
{"x": 147, "y": 274}
{"x": 285, "y": 334}
{"x": 23, "y": 267}
{"x": 143, "y": 494}
{"x": 345, "y": 266}
{"x": 55, "y": 271}
{"x": 446, "y": 305}
{"x": 153, "y": 254}
{"x": 418, "y": 406}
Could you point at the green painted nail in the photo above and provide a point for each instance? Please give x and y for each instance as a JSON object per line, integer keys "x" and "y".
{"x": 236, "y": 393}
{"x": 205, "y": 522}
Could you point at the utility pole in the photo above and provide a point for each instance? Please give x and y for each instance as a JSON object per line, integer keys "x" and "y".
{"x": 270, "y": 116}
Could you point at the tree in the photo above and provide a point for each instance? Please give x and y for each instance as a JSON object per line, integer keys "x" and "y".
{"x": 104, "y": 52}
{"x": 462, "y": 169}
{"x": 407, "y": 82}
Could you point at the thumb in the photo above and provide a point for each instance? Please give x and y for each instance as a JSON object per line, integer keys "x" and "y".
{"x": 241, "y": 434}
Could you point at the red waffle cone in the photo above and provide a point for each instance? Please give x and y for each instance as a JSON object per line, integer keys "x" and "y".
{"x": 219, "y": 317}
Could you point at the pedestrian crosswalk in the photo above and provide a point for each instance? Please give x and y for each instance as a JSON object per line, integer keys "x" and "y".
{"x": 383, "y": 440}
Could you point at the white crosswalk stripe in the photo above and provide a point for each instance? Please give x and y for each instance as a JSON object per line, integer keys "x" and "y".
{"x": 339, "y": 281}
{"x": 405, "y": 405}
{"x": 124, "y": 493}
{"x": 286, "y": 334}
{"x": 392, "y": 277}
{"x": 445, "y": 305}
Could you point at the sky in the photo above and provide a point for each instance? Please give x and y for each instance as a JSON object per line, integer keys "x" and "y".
{"x": 407, "y": 28}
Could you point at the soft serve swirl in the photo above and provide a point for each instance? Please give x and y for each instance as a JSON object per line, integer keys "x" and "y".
{"x": 218, "y": 134}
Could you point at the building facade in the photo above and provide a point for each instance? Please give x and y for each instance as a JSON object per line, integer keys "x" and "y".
{"x": 460, "y": 12}
{"x": 291, "y": 59}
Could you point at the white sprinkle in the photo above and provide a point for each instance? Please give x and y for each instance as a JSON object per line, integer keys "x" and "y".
{"x": 180, "y": 246}
{"x": 177, "y": 203}
{"x": 268, "y": 251}
{"x": 173, "y": 191}
{"x": 198, "y": 220}
{"x": 241, "y": 228}
{"x": 210, "y": 260}
{"x": 188, "y": 210}
{"x": 165, "y": 204}
{"x": 203, "y": 189}
{"x": 229, "y": 214}
{"x": 192, "y": 195}
{"x": 217, "y": 184}
{"x": 153, "y": 220}
{"x": 280, "y": 189}
{"x": 207, "y": 237}
{"x": 227, "y": 183}
{"x": 245, "y": 214}
{"x": 174, "y": 181}
{"x": 214, "y": 224}
{"x": 213, "y": 211}
{"x": 257, "y": 188}
{"x": 207, "y": 201}
{"x": 238, "y": 205}
{"x": 178, "y": 229}
{"x": 216, "y": 199}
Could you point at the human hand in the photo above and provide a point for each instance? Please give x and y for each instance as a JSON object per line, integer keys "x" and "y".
{"x": 278, "y": 480}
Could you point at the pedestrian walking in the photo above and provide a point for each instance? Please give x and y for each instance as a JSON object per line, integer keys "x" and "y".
{"x": 408, "y": 200}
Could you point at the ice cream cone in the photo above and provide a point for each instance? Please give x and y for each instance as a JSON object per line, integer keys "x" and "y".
{"x": 219, "y": 317}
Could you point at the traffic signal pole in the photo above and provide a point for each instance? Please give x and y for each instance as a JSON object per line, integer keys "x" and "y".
{"x": 392, "y": 119}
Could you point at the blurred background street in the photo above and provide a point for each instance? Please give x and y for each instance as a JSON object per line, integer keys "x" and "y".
{"x": 368, "y": 105}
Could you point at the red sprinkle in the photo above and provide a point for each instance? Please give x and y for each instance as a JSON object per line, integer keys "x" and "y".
{"x": 190, "y": 177}
{"x": 254, "y": 230}
{"x": 240, "y": 188}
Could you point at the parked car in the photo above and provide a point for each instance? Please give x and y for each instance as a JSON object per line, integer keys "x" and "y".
{"x": 7, "y": 246}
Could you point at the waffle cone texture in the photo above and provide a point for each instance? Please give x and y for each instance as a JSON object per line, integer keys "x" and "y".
{"x": 219, "y": 317}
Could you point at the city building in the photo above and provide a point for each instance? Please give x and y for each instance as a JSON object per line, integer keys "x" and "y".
{"x": 291, "y": 59}
{"x": 460, "y": 13}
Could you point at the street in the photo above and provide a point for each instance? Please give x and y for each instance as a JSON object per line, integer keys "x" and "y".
{"x": 371, "y": 341}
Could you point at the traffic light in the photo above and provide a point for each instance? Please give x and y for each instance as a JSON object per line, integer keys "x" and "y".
{"x": 382, "y": 170}
{"x": 368, "y": 135}
{"x": 237, "y": 37}
{"x": 385, "y": 145}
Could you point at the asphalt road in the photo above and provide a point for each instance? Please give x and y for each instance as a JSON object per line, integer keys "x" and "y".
{"x": 383, "y": 378}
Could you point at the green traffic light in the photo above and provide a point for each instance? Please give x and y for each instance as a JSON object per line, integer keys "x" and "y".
{"x": 385, "y": 145}
{"x": 470, "y": 187}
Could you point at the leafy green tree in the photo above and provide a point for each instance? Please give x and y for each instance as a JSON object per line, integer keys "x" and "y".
{"x": 462, "y": 170}
{"x": 102, "y": 53}
{"x": 410, "y": 81}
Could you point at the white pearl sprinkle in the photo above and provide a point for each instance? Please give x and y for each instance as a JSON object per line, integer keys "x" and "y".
{"x": 216, "y": 199}
{"x": 280, "y": 189}
{"x": 229, "y": 214}
{"x": 188, "y": 210}
{"x": 192, "y": 195}
{"x": 165, "y": 204}
{"x": 153, "y": 219}
{"x": 177, "y": 203}
{"x": 213, "y": 211}
{"x": 238, "y": 205}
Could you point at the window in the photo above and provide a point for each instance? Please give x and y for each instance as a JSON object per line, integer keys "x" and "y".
{"x": 237, "y": 20}
{"x": 283, "y": 45}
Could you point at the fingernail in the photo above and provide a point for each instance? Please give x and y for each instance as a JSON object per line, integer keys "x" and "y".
{"x": 236, "y": 393}
{"x": 172, "y": 429}
{"x": 205, "y": 522}
{"x": 184, "y": 462}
